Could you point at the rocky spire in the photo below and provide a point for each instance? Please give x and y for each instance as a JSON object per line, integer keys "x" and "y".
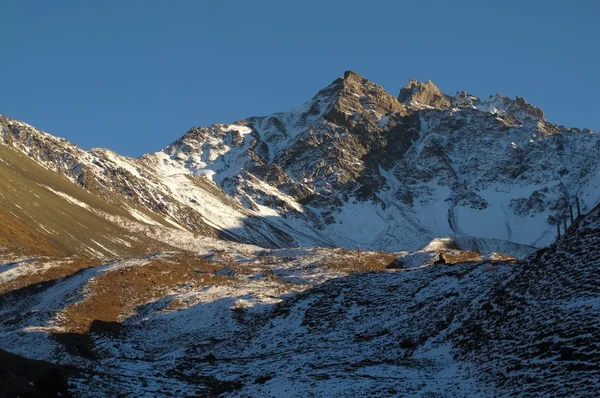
{"x": 419, "y": 94}
{"x": 355, "y": 94}
{"x": 525, "y": 106}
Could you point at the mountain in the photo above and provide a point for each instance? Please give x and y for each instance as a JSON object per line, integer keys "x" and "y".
{"x": 41, "y": 212}
{"x": 235, "y": 320}
{"x": 354, "y": 166}
{"x": 150, "y": 196}
{"x": 384, "y": 173}
{"x": 227, "y": 264}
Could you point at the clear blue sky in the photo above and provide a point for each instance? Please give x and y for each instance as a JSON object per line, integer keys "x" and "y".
{"x": 133, "y": 76}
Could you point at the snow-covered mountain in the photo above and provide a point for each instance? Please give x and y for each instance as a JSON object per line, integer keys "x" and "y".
{"x": 366, "y": 169}
{"x": 219, "y": 265}
{"x": 354, "y": 166}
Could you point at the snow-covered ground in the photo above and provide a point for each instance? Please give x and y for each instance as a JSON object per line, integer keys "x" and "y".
{"x": 298, "y": 322}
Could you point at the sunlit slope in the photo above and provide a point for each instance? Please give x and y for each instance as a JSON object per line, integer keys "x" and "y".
{"x": 42, "y": 212}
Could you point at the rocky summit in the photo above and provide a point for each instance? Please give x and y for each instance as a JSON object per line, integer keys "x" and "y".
{"x": 361, "y": 243}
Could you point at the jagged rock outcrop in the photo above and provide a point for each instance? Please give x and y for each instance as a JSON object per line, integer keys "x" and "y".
{"x": 418, "y": 94}
{"x": 355, "y": 95}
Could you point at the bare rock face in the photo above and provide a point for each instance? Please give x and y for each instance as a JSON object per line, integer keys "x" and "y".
{"x": 427, "y": 94}
{"x": 357, "y": 96}
{"x": 525, "y": 106}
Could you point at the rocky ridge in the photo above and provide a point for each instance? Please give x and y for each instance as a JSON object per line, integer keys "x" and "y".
{"x": 428, "y": 163}
{"x": 354, "y": 166}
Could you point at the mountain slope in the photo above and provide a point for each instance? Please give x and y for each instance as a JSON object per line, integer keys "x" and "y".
{"x": 537, "y": 332}
{"x": 43, "y": 213}
{"x": 152, "y": 190}
{"x": 468, "y": 330}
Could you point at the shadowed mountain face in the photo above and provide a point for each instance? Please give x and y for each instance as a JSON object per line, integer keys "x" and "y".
{"x": 352, "y": 166}
{"x": 503, "y": 328}
{"x": 536, "y": 332}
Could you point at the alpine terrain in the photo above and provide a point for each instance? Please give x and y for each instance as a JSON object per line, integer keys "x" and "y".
{"x": 361, "y": 243}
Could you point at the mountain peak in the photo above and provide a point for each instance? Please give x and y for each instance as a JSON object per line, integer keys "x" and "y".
{"x": 352, "y": 75}
{"x": 421, "y": 94}
{"x": 525, "y": 106}
{"x": 353, "y": 94}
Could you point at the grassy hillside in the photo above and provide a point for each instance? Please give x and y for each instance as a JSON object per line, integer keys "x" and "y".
{"x": 41, "y": 212}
